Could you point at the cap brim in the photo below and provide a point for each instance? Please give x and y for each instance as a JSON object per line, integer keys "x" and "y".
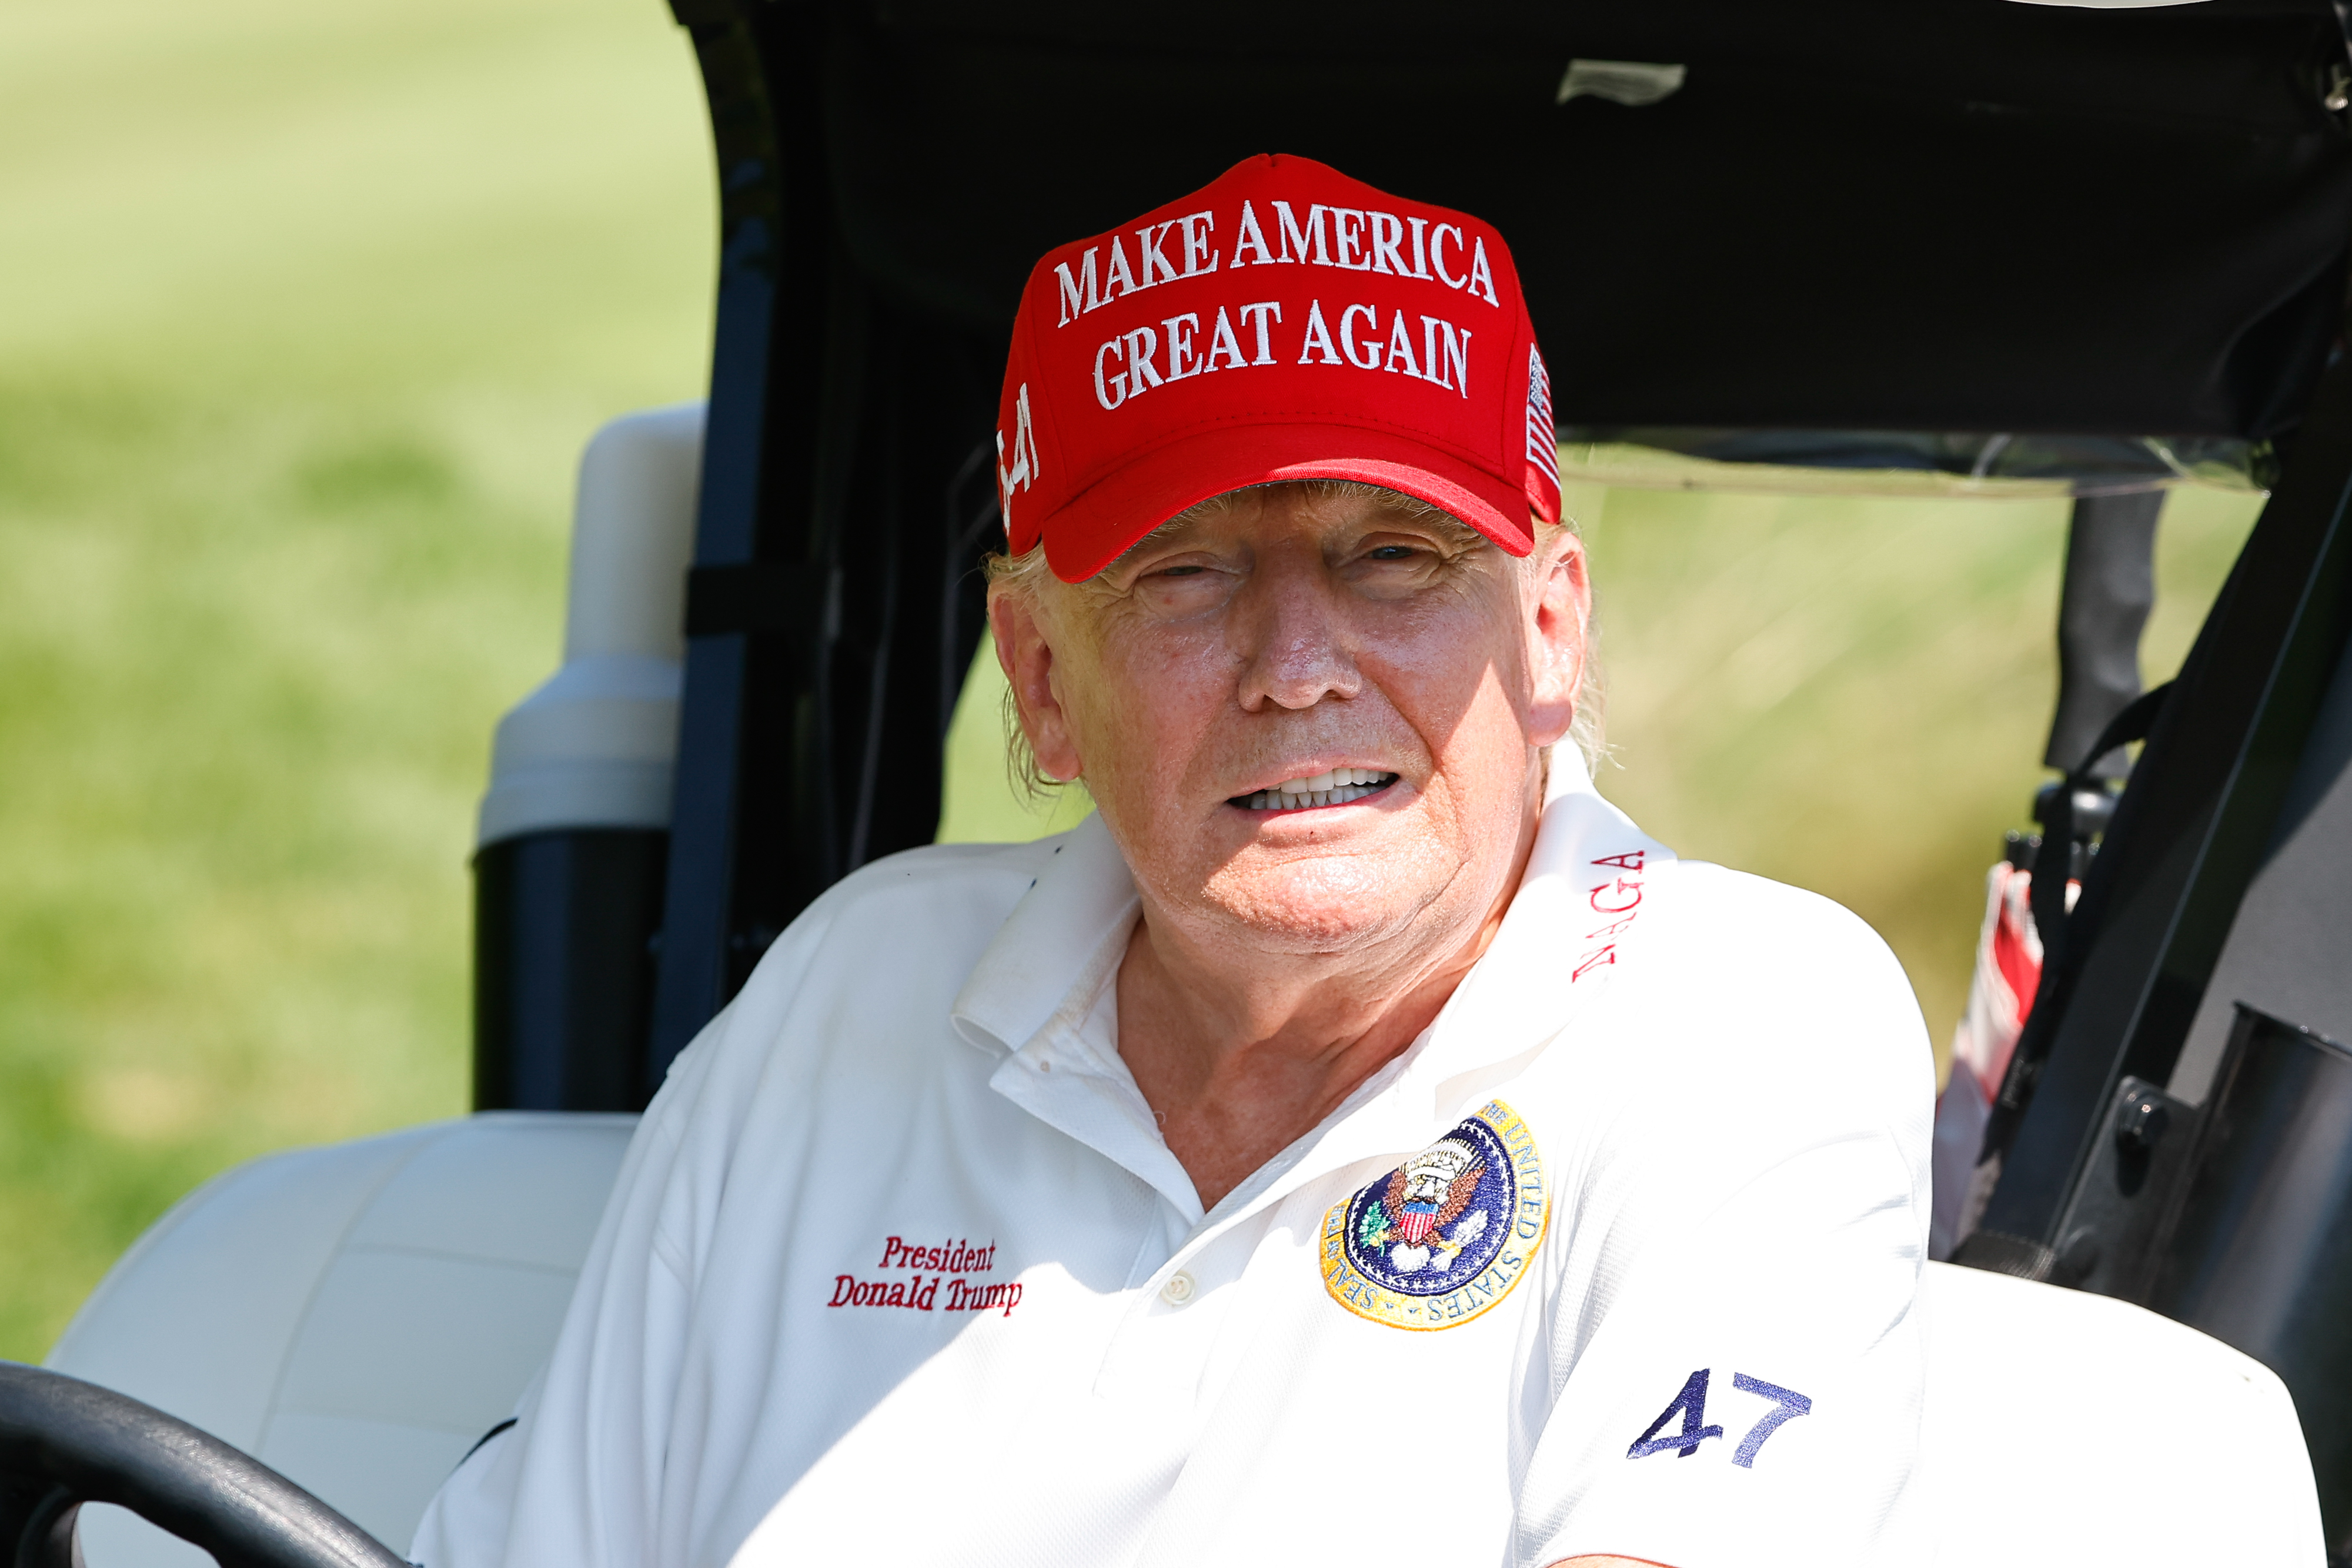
{"x": 1117, "y": 510}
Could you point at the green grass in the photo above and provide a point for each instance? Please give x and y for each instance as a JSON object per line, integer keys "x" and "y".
{"x": 305, "y": 312}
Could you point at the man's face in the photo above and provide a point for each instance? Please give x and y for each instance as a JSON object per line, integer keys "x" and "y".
{"x": 1284, "y": 637}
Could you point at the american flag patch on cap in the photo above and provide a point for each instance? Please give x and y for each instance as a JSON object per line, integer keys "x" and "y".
{"x": 1543, "y": 436}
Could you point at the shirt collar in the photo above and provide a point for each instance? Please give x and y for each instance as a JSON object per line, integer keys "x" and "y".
{"x": 1083, "y": 898}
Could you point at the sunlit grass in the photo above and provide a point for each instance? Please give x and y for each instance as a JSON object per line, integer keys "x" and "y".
{"x": 305, "y": 312}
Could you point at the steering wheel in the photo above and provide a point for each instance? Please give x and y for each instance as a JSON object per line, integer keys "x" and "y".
{"x": 64, "y": 1442}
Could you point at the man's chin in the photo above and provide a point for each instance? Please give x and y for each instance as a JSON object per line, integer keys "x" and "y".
{"x": 1325, "y": 905}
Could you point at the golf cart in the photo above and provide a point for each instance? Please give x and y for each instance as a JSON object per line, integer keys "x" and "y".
{"x": 2095, "y": 247}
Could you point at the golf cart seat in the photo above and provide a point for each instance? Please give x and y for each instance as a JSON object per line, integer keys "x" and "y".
{"x": 357, "y": 1316}
{"x": 2063, "y": 1428}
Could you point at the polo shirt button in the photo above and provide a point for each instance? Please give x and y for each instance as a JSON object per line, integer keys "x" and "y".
{"x": 1178, "y": 1289}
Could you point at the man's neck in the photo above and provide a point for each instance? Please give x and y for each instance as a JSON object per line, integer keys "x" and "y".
{"x": 1241, "y": 1051}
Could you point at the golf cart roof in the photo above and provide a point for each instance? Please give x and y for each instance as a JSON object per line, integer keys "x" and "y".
{"x": 1943, "y": 215}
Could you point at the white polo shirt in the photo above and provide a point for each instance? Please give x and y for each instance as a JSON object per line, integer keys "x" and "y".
{"x": 1618, "y": 1258}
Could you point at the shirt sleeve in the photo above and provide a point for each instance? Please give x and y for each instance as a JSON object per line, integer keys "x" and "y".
{"x": 598, "y": 1470}
{"x": 577, "y": 1477}
{"x": 467, "y": 1520}
{"x": 1735, "y": 1363}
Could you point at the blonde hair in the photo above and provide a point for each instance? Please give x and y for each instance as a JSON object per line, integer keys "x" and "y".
{"x": 1026, "y": 574}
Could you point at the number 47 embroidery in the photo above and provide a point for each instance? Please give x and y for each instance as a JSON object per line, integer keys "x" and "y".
{"x": 1691, "y": 1402}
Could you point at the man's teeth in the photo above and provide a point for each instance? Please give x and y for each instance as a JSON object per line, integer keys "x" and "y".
{"x": 1336, "y": 788}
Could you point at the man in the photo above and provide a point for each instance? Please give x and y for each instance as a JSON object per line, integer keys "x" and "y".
{"x": 1358, "y": 1139}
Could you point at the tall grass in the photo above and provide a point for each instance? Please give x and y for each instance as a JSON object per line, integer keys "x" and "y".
{"x": 304, "y": 313}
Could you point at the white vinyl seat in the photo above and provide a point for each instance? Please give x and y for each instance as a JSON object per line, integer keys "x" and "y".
{"x": 2068, "y": 1430}
{"x": 358, "y": 1316}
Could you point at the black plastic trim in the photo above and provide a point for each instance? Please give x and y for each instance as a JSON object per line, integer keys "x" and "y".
{"x": 2187, "y": 836}
{"x": 753, "y": 596}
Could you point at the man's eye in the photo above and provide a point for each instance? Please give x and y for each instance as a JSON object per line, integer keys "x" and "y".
{"x": 1391, "y": 552}
{"x": 1183, "y": 570}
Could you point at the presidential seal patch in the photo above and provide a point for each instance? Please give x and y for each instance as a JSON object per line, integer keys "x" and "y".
{"x": 1445, "y": 1235}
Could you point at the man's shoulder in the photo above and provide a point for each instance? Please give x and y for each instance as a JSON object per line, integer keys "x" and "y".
{"x": 941, "y": 867}
{"x": 1750, "y": 1023}
{"x": 1740, "y": 922}
{"x": 1786, "y": 993}
{"x": 890, "y": 944}
{"x": 958, "y": 894}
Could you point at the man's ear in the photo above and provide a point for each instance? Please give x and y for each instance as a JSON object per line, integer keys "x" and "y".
{"x": 1026, "y": 655}
{"x": 1560, "y": 623}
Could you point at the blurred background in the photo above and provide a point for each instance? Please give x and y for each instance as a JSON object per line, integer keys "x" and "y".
{"x": 305, "y": 313}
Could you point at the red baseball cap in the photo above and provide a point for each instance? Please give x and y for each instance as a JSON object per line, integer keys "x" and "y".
{"x": 1283, "y": 322}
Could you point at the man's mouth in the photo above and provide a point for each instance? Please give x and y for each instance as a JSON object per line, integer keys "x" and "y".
{"x": 1336, "y": 788}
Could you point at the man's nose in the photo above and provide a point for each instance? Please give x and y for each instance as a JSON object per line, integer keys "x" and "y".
{"x": 1296, "y": 645}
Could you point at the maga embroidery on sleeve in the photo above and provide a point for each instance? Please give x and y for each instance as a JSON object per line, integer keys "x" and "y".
{"x": 1618, "y": 901}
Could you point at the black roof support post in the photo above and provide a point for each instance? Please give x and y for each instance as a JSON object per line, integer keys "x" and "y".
{"x": 763, "y": 205}
{"x": 2122, "y": 980}
{"x": 2109, "y": 588}
{"x": 848, "y": 493}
